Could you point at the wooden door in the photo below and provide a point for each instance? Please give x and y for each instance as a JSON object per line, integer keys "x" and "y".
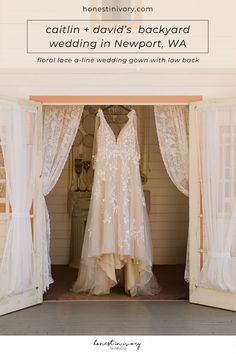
{"x": 210, "y": 296}
{"x": 35, "y": 295}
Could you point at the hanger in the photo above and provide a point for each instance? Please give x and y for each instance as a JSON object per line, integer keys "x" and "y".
{"x": 108, "y": 107}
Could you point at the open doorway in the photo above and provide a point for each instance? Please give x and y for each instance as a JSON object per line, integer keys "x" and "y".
{"x": 68, "y": 205}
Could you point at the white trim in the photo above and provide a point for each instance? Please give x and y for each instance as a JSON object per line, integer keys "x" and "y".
{"x": 214, "y": 298}
{"x": 197, "y": 294}
{"x": 20, "y": 301}
{"x": 35, "y": 295}
{"x": 213, "y": 102}
{"x": 39, "y": 202}
{"x": 21, "y": 101}
{"x": 194, "y": 202}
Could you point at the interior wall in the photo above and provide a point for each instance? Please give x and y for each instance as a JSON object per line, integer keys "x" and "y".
{"x": 168, "y": 212}
{"x": 169, "y": 207}
{"x": 206, "y": 83}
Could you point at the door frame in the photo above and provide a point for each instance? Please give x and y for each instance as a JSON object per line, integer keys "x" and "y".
{"x": 197, "y": 294}
{"x": 128, "y": 100}
{"x": 131, "y": 100}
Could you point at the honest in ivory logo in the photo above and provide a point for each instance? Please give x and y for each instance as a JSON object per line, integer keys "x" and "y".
{"x": 115, "y": 9}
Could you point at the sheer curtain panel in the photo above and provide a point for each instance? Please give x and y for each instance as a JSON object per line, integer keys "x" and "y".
{"x": 17, "y": 133}
{"x": 217, "y": 160}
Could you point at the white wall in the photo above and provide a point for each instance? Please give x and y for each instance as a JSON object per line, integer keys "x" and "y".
{"x": 169, "y": 209}
{"x": 167, "y": 202}
{"x": 59, "y": 220}
{"x": 208, "y": 83}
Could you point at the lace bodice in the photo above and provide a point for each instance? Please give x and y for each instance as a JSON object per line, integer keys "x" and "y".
{"x": 125, "y": 144}
{"x": 117, "y": 158}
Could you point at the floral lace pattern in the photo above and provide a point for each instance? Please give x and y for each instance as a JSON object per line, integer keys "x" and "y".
{"x": 172, "y": 131}
{"x": 115, "y": 159}
{"x": 60, "y": 125}
{"x": 173, "y": 136}
{"x": 117, "y": 226}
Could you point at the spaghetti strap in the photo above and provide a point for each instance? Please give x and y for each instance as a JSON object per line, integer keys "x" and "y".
{"x": 134, "y": 117}
{"x": 94, "y": 152}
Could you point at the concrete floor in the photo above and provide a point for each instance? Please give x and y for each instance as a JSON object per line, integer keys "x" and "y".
{"x": 119, "y": 318}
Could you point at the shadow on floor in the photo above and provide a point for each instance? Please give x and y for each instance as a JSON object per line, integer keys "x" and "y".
{"x": 170, "y": 278}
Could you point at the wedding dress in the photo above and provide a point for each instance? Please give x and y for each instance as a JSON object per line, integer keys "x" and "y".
{"x": 117, "y": 232}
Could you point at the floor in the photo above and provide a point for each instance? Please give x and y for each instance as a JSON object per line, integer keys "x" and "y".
{"x": 170, "y": 278}
{"x": 119, "y": 318}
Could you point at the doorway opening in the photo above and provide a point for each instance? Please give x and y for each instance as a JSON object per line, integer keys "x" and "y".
{"x": 68, "y": 205}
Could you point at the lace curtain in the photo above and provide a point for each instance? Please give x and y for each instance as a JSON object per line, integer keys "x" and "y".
{"x": 17, "y": 132}
{"x": 60, "y": 127}
{"x": 172, "y": 131}
{"x": 217, "y": 157}
{"x": 173, "y": 135}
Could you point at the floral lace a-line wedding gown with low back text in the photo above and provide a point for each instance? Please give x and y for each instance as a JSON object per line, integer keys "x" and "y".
{"x": 117, "y": 231}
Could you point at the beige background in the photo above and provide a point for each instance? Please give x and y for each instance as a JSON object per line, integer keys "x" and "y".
{"x": 13, "y": 16}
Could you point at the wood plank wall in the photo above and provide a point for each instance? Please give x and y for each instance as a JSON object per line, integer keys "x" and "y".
{"x": 169, "y": 208}
{"x": 59, "y": 220}
{"x": 168, "y": 214}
